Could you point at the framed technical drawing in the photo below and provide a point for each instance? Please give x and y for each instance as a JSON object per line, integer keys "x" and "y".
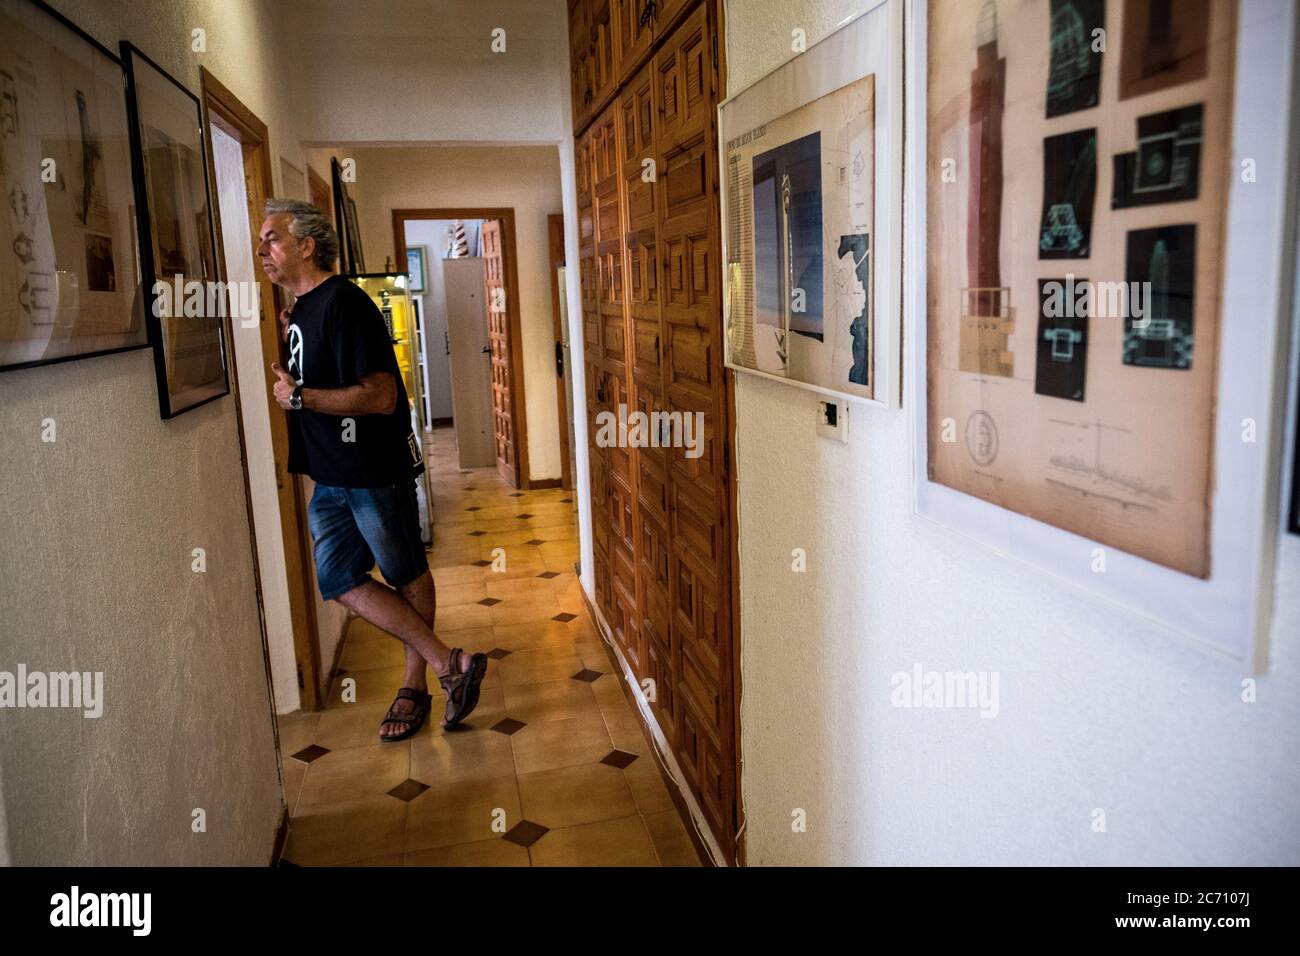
{"x": 415, "y": 267}
{"x": 178, "y": 261}
{"x": 1094, "y": 282}
{"x": 69, "y": 282}
{"x": 811, "y": 214}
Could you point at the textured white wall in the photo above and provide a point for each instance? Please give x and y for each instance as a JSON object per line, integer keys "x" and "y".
{"x": 1098, "y": 710}
{"x": 525, "y": 178}
{"x": 97, "y": 534}
{"x": 424, "y": 70}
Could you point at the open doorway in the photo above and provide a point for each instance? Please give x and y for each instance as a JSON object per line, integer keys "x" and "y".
{"x": 242, "y": 163}
{"x": 471, "y": 340}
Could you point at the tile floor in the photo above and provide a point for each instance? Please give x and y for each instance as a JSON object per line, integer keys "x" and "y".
{"x": 552, "y": 768}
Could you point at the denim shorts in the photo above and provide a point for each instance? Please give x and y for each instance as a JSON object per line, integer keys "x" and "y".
{"x": 353, "y": 529}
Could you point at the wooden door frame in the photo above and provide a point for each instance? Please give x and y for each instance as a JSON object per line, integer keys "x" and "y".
{"x": 733, "y": 512}
{"x": 223, "y": 108}
{"x": 555, "y": 244}
{"x": 518, "y": 407}
{"x": 317, "y": 184}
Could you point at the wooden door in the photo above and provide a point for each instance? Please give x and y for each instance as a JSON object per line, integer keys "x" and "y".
{"x": 697, "y": 493}
{"x": 633, "y": 33}
{"x": 649, "y": 266}
{"x": 235, "y": 119}
{"x": 498, "y": 312}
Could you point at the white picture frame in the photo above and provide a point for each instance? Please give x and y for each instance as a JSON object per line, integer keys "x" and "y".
{"x": 1230, "y": 610}
{"x": 867, "y": 44}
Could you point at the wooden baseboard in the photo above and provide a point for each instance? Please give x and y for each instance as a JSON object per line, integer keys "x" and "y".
{"x": 598, "y": 625}
{"x": 540, "y": 484}
{"x": 440, "y": 423}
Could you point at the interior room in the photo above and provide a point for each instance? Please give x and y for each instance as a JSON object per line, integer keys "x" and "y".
{"x": 693, "y": 433}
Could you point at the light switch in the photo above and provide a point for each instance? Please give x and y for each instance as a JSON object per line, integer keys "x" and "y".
{"x": 833, "y": 419}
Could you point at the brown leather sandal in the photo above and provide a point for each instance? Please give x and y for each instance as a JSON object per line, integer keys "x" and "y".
{"x": 462, "y": 689}
{"x": 414, "y": 720}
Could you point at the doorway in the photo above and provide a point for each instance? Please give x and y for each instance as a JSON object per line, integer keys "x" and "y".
{"x": 242, "y": 160}
{"x": 496, "y": 244}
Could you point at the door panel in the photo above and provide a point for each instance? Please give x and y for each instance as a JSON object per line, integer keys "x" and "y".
{"x": 499, "y": 306}
{"x": 652, "y": 324}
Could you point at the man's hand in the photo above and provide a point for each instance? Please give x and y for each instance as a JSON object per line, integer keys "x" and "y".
{"x": 284, "y": 386}
{"x": 286, "y": 316}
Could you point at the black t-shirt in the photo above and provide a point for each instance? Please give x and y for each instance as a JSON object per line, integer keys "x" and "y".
{"x": 336, "y": 336}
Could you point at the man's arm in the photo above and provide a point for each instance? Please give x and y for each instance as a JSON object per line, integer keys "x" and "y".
{"x": 374, "y": 394}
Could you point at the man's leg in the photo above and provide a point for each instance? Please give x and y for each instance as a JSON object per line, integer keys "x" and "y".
{"x": 422, "y": 596}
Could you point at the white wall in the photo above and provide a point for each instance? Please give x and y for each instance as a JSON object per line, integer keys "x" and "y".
{"x": 424, "y": 70}
{"x": 1098, "y": 710}
{"x": 523, "y": 178}
{"x": 98, "y": 530}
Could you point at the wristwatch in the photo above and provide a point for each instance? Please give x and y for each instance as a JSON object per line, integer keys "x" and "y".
{"x": 295, "y": 400}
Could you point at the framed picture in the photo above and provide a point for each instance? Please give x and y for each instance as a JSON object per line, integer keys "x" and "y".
{"x": 812, "y": 213}
{"x": 351, "y": 259}
{"x": 1094, "y": 289}
{"x": 415, "y": 256}
{"x": 69, "y": 280}
{"x": 178, "y": 246}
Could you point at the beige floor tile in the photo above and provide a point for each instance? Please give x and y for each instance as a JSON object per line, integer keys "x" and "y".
{"x": 296, "y": 731}
{"x": 671, "y": 841}
{"x": 560, "y": 743}
{"x": 625, "y": 730}
{"x": 295, "y": 771}
{"x": 462, "y": 616}
{"x": 572, "y": 796}
{"x": 375, "y": 685}
{"x": 610, "y": 693}
{"x": 623, "y": 842}
{"x": 358, "y": 725}
{"x": 496, "y": 852}
{"x": 593, "y": 656}
{"x": 454, "y": 595}
{"x": 366, "y": 655}
{"x": 340, "y": 834}
{"x": 354, "y": 776}
{"x": 537, "y": 609}
{"x": 464, "y": 755}
{"x": 539, "y": 664}
{"x": 382, "y": 861}
{"x": 647, "y": 786}
{"x": 464, "y": 812}
{"x": 549, "y": 700}
{"x": 521, "y": 637}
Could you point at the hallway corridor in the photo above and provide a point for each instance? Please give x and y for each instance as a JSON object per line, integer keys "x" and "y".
{"x": 552, "y": 768}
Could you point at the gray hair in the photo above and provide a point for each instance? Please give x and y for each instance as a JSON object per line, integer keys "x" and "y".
{"x": 309, "y": 222}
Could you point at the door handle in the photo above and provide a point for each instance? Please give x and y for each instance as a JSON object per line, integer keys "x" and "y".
{"x": 559, "y": 360}
{"x": 486, "y": 350}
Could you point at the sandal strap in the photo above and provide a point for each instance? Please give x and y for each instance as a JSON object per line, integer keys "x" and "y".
{"x": 410, "y": 693}
{"x": 423, "y": 703}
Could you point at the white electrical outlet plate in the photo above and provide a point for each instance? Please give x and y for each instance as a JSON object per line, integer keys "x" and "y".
{"x": 833, "y": 419}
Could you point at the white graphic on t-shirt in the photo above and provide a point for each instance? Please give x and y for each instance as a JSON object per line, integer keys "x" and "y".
{"x": 295, "y": 353}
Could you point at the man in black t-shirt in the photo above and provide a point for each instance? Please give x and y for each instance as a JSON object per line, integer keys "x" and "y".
{"x": 350, "y": 430}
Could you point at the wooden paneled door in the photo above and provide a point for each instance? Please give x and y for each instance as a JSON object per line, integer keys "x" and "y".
{"x": 498, "y": 312}
{"x": 651, "y": 277}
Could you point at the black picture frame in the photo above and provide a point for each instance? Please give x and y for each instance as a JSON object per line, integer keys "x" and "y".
{"x": 351, "y": 258}
{"x": 1293, "y": 520}
{"x": 98, "y": 245}
{"x": 198, "y": 373}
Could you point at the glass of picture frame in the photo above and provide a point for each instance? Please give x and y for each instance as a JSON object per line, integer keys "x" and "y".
{"x": 810, "y": 157}
{"x": 415, "y": 267}
{"x": 186, "y": 300}
{"x": 1092, "y": 354}
{"x": 69, "y": 279}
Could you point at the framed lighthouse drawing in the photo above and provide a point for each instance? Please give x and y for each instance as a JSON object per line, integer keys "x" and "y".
{"x": 811, "y": 209}
{"x": 1086, "y": 387}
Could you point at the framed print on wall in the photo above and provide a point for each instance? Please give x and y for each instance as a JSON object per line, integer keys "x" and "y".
{"x": 415, "y": 256}
{"x": 178, "y": 247}
{"x": 1094, "y": 287}
{"x": 69, "y": 281}
{"x": 811, "y": 214}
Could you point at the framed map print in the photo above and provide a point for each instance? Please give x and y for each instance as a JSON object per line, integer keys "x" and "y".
{"x": 1093, "y": 287}
{"x": 810, "y": 215}
{"x": 69, "y": 281}
{"x": 187, "y": 309}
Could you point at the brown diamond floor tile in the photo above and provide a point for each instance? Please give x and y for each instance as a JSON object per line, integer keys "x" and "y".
{"x": 618, "y": 758}
{"x": 526, "y": 833}
{"x": 497, "y": 653}
{"x": 308, "y": 754}
{"x": 508, "y": 726}
{"x": 489, "y": 601}
{"x": 549, "y": 574}
{"x": 586, "y": 675}
{"x": 564, "y": 617}
{"x": 409, "y": 789}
